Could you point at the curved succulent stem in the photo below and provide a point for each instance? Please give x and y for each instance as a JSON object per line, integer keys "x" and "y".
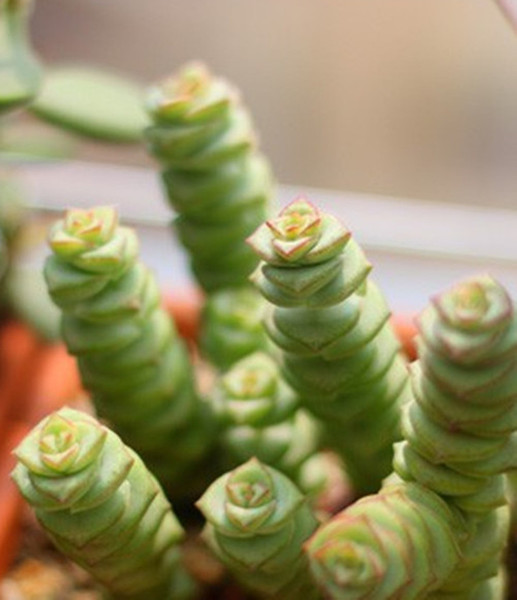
{"x": 232, "y": 326}
{"x": 460, "y": 432}
{"x": 127, "y": 348}
{"x": 331, "y": 322}
{"x": 101, "y": 507}
{"x": 20, "y": 73}
{"x": 257, "y": 521}
{"x": 215, "y": 178}
{"x": 459, "y": 435}
{"x": 260, "y": 416}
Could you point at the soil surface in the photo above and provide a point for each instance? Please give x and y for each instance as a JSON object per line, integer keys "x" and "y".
{"x": 41, "y": 573}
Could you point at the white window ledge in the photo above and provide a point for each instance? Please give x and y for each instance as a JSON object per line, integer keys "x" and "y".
{"x": 417, "y": 248}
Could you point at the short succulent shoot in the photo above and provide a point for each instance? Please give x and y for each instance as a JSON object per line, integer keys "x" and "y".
{"x": 257, "y": 521}
{"x": 101, "y": 507}
{"x": 260, "y": 417}
{"x": 399, "y": 544}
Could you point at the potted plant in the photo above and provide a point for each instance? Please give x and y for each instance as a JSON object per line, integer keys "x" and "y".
{"x": 293, "y": 382}
{"x": 256, "y": 444}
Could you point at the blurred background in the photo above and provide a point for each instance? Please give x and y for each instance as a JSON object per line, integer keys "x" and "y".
{"x": 399, "y": 97}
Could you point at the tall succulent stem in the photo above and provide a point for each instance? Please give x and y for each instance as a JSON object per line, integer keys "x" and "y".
{"x": 128, "y": 351}
{"x": 101, "y": 507}
{"x": 215, "y": 178}
{"x": 460, "y": 432}
{"x": 331, "y": 322}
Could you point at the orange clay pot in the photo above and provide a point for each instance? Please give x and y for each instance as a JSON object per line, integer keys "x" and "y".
{"x": 405, "y": 328}
{"x": 35, "y": 379}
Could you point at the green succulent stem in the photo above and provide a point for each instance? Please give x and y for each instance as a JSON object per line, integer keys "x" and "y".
{"x": 231, "y": 326}
{"x": 101, "y": 507}
{"x": 11, "y": 218}
{"x": 332, "y": 324}
{"x": 127, "y": 347}
{"x": 260, "y": 418}
{"x": 459, "y": 440}
{"x": 214, "y": 176}
{"x": 460, "y": 430}
{"x": 257, "y": 521}
{"x": 20, "y": 73}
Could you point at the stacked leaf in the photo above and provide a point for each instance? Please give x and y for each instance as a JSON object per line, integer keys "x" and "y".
{"x": 101, "y": 507}
{"x": 231, "y": 326}
{"x": 20, "y": 72}
{"x": 127, "y": 348}
{"x": 440, "y": 533}
{"x": 260, "y": 418}
{"x": 215, "y": 178}
{"x": 257, "y": 523}
{"x": 332, "y": 324}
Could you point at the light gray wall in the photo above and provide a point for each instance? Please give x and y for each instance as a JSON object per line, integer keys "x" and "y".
{"x": 406, "y": 97}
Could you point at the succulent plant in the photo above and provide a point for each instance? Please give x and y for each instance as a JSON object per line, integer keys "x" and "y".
{"x": 331, "y": 323}
{"x": 127, "y": 348}
{"x": 257, "y": 521}
{"x": 102, "y": 507}
{"x": 260, "y": 417}
{"x": 231, "y": 326}
{"x": 460, "y": 432}
{"x": 20, "y": 73}
{"x": 215, "y": 178}
{"x": 459, "y": 435}
{"x": 325, "y": 371}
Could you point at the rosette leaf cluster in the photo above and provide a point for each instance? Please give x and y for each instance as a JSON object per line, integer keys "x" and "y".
{"x": 101, "y": 507}
{"x": 20, "y": 73}
{"x": 332, "y": 324}
{"x": 257, "y": 521}
{"x": 231, "y": 326}
{"x": 460, "y": 429}
{"x": 127, "y": 348}
{"x": 214, "y": 176}
{"x": 260, "y": 417}
{"x": 399, "y": 544}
